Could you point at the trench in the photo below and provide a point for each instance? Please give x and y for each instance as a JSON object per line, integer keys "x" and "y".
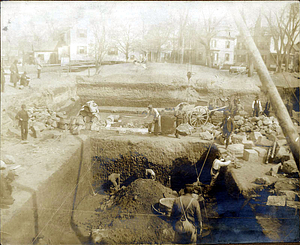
{"x": 77, "y": 190}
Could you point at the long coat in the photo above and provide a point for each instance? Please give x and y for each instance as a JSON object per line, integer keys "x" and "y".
{"x": 14, "y": 73}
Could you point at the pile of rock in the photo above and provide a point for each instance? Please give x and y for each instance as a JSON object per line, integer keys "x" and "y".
{"x": 44, "y": 118}
{"x": 264, "y": 125}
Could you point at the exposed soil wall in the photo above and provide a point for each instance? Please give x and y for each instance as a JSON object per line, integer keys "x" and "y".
{"x": 166, "y": 156}
{"x": 48, "y": 210}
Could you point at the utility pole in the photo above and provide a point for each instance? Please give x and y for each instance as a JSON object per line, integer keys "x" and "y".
{"x": 281, "y": 112}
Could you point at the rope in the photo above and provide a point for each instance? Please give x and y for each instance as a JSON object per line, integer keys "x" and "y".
{"x": 204, "y": 161}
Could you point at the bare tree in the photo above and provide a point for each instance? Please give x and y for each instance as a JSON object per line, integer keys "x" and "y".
{"x": 208, "y": 29}
{"x": 99, "y": 47}
{"x": 125, "y": 37}
{"x": 284, "y": 29}
{"x": 157, "y": 37}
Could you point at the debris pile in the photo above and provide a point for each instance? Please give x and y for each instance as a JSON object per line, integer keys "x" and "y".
{"x": 140, "y": 195}
{"x": 264, "y": 125}
{"x": 43, "y": 118}
{"x": 127, "y": 216}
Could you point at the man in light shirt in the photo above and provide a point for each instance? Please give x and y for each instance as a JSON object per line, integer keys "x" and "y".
{"x": 155, "y": 125}
{"x": 215, "y": 169}
{"x": 256, "y": 107}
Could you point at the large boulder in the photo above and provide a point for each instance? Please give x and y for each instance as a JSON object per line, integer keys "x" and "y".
{"x": 289, "y": 167}
{"x": 8, "y": 159}
{"x": 276, "y": 201}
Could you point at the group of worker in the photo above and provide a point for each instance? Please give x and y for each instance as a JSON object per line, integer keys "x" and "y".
{"x": 15, "y": 75}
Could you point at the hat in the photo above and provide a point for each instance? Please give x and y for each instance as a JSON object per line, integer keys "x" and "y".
{"x": 2, "y": 165}
{"x": 150, "y": 106}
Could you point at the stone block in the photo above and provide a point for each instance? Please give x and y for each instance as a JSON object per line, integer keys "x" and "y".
{"x": 254, "y": 136}
{"x": 238, "y": 117}
{"x": 276, "y": 201}
{"x": 267, "y": 121}
{"x": 259, "y": 123}
{"x": 290, "y": 195}
{"x": 238, "y": 139}
{"x": 236, "y": 149}
{"x": 250, "y": 155}
{"x": 264, "y": 141}
{"x": 261, "y": 151}
{"x": 248, "y": 144}
{"x": 240, "y": 122}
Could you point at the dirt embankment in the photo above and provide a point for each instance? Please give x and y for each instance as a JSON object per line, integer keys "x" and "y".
{"x": 163, "y": 85}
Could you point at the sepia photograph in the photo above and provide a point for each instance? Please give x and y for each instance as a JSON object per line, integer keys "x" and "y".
{"x": 149, "y": 122}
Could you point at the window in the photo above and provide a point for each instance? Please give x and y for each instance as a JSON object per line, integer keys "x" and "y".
{"x": 81, "y": 33}
{"x": 215, "y": 56}
{"x": 226, "y": 57}
{"x": 227, "y": 44}
{"x": 113, "y": 51}
{"x": 82, "y": 50}
{"x": 214, "y": 43}
{"x": 41, "y": 57}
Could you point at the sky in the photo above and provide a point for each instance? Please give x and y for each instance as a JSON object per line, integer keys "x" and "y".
{"x": 21, "y": 13}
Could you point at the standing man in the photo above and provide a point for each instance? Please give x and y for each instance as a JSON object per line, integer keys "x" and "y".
{"x": 23, "y": 117}
{"x": 186, "y": 208}
{"x": 155, "y": 125}
{"x": 215, "y": 169}
{"x": 39, "y": 68}
{"x": 14, "y": 73}
{"x": 256, "y": 107}
{"x": 267, "y": 108}
{"x": 228, "y": 127}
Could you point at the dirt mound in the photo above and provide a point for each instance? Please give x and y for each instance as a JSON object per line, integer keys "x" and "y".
{"x": 140, "y": 195}
{"x": 127, "y": 216}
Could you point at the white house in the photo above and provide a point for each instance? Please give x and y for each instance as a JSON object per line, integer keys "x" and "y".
{"x": 222, "y": 50}
{"x": 75, "y": 43}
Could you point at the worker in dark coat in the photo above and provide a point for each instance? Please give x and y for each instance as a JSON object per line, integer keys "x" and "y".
{"x": 267, "y": 108}
{"x": 227, "y": 127}
{"x": 23, "y": 118}
{"x": 14, "y": 73}
{"x": 186, "y": 207}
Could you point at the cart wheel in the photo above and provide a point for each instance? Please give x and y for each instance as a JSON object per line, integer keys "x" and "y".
{"x": 199, "y": 116}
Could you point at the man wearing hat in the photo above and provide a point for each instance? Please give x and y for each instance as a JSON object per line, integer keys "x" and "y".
{"x": 228, "y": 127}
{"x": 186, "y": 207}
{"x": 14, "y": 73}
{"x": 256, "y": 106}
{"x": 23, "y": 117}
{"x": 155, "y": 126}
